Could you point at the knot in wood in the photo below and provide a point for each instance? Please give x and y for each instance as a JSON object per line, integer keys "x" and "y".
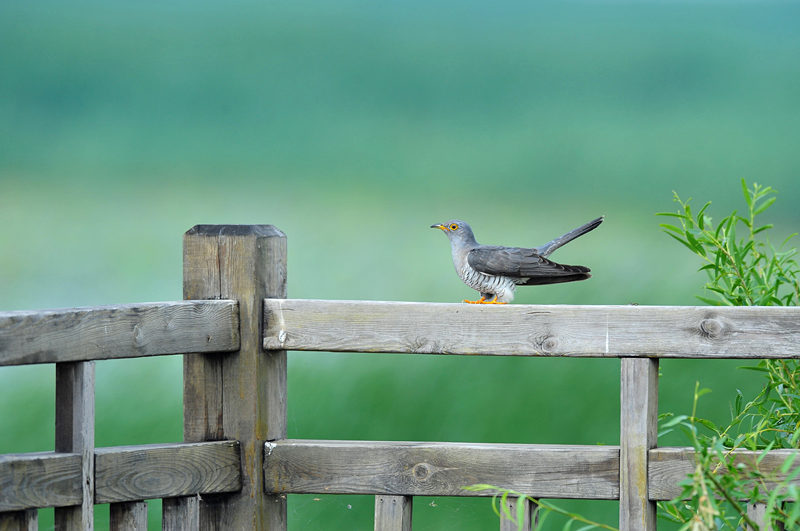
{"x": 711, "y": 328}
{"x": 138, "y": 336}
{"x": 421, "y": 471}
{"x": 545, "y": 343}
{"x": 550, "y": 344}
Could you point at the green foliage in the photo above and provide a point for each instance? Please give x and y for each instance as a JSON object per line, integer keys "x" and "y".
{"x": 543, "y": 509}
{"x": 713, "y": 495}
{"x": 742, "y": 271}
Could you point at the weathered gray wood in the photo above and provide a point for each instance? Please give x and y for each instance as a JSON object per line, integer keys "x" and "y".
{"x": 529, "y": 514}
{"x": 180, "y": 514}
{"x": 75, "y": 434}
{"x": 523, "y": 330}
{"x": 130, "y": 473}
{"x": 42, "y": 479}
{"x": 671, "y": 465}
{"x": 20, "y": 520}
{"x": 296, "y": 466}
{"x": 126, "y": 331}
{"x": 638, "y": 434}
{"x": 125, "y": 473}
{"x": 758, "y": 514}
{"x": 393, "y": 513}
{"x": 128, "y": 516}
{"x": 241, "y": 395}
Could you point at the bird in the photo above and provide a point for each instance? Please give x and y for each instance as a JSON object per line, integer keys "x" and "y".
{"x": 496, "y": 271}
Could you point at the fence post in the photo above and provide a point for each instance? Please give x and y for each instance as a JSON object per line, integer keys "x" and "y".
{"x": 530, "y": 515}
{"x": 758, "y": 514}
{"x": 239, "y": 395}
{"x": 128, "y": 516}
{"x": 393, "y": 513}
{"x": 638, "y": 434}
{"x": 20, "y": 520}
{"x": 75, "y": 434}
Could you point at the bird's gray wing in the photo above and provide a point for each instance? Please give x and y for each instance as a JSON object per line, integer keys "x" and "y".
{"x": 525, "y": 265}
{"x": 547, "y": 249}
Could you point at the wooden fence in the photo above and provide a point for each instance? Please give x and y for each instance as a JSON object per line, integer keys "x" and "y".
{"x": 236, "y": 465}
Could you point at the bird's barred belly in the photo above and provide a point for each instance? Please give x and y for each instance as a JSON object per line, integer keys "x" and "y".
{"x": 502, "y": 287}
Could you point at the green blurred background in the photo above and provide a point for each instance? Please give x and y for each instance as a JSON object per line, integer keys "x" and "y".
{"x": 353, "y": 126}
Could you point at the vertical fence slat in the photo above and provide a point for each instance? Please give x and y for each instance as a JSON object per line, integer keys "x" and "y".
{"x": 240, "y": 395}
{"x": 393, "y": 513}
{"x": 180, "y": 514}
{"x": 20, "y": 520}
{"x": 75, "y": 434}
{"x": 758, "y": 514}
{"x": 529, "y": 514}
{"x": 128, "y": 516}
{"x": 638, "y": 434}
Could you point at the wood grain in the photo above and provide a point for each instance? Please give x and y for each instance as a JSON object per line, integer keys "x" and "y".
{"x": 75, "y": 434}
{"x": 241, "y": 395}
{"x": 180, "y": 514}
{"x": 757, "y": 512}
{"x": 42, "y": 479}
{"x": 132, "y": 473}
{"x": 128, "y": 516}
{"x": 393, "y": 513}
{"x": 525, "y": 330}
{"x": 671, "y": 465}
{"x": 529, "y": 515}
{"x": 20, "y": 521}
{"x": 638, "y": 434}
{"x": 295, "y": 466}
{"x": 125, "y": 331}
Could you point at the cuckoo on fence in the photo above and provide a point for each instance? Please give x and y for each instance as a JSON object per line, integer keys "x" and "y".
{"x": 495, "y": 271}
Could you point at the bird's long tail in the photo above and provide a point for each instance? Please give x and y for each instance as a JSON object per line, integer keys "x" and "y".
{"x": 549, "y": 247}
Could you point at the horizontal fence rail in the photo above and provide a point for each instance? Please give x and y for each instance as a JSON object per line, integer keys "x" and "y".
{"x": 669, "y": 466}
{"x": 295, "y": 466}
{"x": 305, "y": 466}
{"x": 235, "y": 402}
{"x": 125, "y": 473}
{"x": 533, "y": 330}
{"x": 124, "y": 331}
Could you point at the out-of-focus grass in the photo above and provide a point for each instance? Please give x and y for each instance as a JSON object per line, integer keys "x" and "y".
{"x": 352, "y": 127}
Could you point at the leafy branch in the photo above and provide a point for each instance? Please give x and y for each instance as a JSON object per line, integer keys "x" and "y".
{"x": 746, "y": 271}
{"x": 543, "y": 509}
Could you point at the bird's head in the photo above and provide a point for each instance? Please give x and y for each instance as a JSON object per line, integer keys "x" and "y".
{"x": 457, "y": 231}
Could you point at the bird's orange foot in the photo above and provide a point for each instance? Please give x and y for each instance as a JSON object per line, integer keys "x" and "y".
{"x": 483, "y": 300}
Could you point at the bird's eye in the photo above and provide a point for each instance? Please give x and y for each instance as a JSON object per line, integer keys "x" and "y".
{"x": 453, "y": 226}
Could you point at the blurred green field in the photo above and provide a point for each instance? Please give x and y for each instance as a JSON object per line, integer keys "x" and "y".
{"x": 353, "y": 126}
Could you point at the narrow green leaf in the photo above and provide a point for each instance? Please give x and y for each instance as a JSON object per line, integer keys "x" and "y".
{"x": 787, "y": 464}
{"x": 495, "y": 508}
{"x": 701, "y": 392}
{"x": 746, "y": 194}
{"x": 684, "y": 242}
{"x": 758, "y": 369}
{"x": 504, "y": 505}
{"x": 695, "y": 245}
{"x": 765, "y": 205}
{"x": 763, "y": 228}
{"x": 701, "y": 215}
{"x": 521, "y": 513}
{"x": 672, "y": 228}
{"x": 675, "y": 420}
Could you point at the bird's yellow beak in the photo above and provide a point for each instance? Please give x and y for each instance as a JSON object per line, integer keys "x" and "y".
{"x": 440, "y": 226}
